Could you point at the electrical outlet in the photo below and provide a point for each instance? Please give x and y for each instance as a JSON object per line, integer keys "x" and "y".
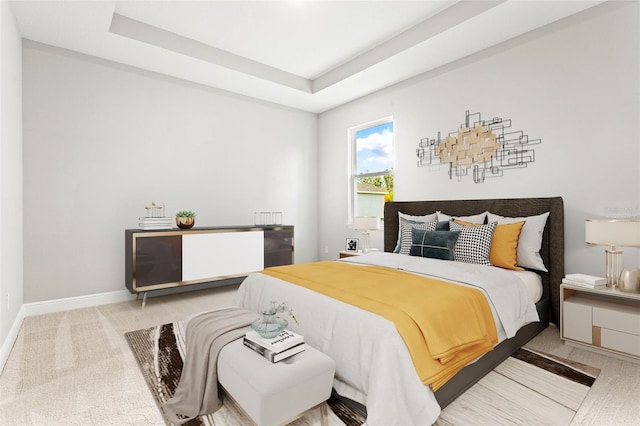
{"x": 326, "y": 249}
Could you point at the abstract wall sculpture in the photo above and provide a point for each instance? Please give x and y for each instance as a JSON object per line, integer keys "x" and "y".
{"x": 484, "y": 146}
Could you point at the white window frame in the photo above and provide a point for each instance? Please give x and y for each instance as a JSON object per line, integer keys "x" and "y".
{"x": 352, "y": 166}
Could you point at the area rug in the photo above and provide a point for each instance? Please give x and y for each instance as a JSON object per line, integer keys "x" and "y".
{"x": 529, "y": 385}
{"x": 160, "y": 351}
{"x": 527, "y": 388}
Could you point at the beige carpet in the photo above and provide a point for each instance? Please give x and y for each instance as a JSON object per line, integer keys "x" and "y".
{"x": 76, "y": 368}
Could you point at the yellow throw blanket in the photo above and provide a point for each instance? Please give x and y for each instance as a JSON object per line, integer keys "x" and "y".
{"x": 445, "y": 326}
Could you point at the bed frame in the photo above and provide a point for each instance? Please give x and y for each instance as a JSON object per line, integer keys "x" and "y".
{"x": 552, "y": 253}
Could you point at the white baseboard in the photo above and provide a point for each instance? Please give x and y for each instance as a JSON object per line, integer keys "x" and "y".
{"x": 10, "y": 340}
{"x": 57, "y": 305}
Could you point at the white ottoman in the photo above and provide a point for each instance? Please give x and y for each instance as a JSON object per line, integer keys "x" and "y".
{"x": 276, "y": 393}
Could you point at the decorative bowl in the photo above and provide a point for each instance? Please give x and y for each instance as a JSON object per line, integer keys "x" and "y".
{"x": 269, "y": 325}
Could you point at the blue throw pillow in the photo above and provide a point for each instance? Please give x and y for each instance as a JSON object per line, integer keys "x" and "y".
{"x": 443, "y": 226}
{"x": 433, "y": 244}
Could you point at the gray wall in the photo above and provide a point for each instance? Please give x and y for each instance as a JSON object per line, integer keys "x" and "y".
{"x": 10, "y": 174}
{"x": 574, "y": 84}
{"x": 102, "y": 140}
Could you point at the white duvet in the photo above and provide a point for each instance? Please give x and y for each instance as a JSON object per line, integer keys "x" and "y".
{"x": 373, "y": 365}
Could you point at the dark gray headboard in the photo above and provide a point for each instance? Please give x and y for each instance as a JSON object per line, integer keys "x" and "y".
{"x": 552, "y": 250}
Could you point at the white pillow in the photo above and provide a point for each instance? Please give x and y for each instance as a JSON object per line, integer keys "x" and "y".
{"x": 530, "y": 239}
{"x": 426, "y": 218}
{"x": 476, "y": 218}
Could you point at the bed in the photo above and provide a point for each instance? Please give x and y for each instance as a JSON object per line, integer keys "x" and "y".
{"x": 374, "y": 367}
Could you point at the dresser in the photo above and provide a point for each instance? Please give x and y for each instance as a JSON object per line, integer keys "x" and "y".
{"x": 161, "y": 259}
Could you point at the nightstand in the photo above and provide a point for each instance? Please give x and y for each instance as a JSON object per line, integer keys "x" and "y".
{"x": 601, "y": 319}
{"x": 344, "y": 254}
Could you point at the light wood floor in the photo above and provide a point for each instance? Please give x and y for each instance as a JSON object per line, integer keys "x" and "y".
{"x": 75, "y": 367}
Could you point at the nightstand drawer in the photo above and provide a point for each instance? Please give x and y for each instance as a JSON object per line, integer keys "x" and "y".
{"x": 576, "y": 319}
{"x": 623, "y": 342}
{"x": 617, "y": 316}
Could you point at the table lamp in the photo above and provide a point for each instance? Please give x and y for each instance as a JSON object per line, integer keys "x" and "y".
{"x": 613, "y": 233}
{"x": 365, "y": 224}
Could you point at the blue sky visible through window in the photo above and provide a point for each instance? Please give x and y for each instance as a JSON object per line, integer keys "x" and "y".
{"x": 374, "y": 147}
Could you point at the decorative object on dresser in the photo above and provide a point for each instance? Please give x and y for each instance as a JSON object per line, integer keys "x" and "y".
{"x": 601, "y": 319}
{"x": 154, "y": 210}
{"x": 365, "y": 224}
{"x": 185, "y": 219}
{"x": 163, "y": 259}
{"x": 267, "y": 218}
{"x": 613, "y": 233}
{"x": 482, "y": 145}
{"x": 154, "y": 218}
{"x": 155, "y": 223}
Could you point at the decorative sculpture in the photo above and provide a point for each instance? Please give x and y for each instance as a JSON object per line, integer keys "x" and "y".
{"x": 483, "y": 146}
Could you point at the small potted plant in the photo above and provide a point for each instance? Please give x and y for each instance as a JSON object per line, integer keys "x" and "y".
{"x": 185, "y": 219}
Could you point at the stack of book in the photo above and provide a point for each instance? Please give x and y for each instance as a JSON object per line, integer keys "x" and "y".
{"x": 284, "y": 345}
{"x": 147, "y": 223}
{"x": 584, "y": 280}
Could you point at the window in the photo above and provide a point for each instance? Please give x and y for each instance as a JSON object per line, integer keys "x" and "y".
{"x": 371, "y": 168}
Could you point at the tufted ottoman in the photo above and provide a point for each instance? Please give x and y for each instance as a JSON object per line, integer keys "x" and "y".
{"x": 276, "y": 393}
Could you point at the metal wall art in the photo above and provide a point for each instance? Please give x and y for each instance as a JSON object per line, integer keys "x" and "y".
{"x": 484, "y": 146}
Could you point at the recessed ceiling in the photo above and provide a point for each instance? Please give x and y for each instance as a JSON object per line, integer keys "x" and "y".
{"x": 310, "y": 55}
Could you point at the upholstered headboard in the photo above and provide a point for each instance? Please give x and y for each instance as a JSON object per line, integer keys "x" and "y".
{"x": 552, "y": 250}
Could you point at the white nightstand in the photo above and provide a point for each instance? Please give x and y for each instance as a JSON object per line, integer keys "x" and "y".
{"x": 601, "y": 319}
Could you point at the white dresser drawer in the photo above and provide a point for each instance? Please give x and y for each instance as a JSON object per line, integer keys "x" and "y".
{"x": 576, "y": 319}
{"x": 623, "y": 342}
{"x": 617, "y": 316}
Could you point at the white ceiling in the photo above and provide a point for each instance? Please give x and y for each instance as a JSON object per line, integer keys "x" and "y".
{"x": 310, "y": 55}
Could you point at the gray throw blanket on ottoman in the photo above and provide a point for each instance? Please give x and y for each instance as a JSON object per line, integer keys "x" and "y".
{"x": 206, "y": 335}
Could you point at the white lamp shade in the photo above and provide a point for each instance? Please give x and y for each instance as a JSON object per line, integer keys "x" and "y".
{"x": 365, "y": 223}
{"x": 614, "y": 232}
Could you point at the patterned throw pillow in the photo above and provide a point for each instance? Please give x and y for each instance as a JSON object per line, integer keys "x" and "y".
{"x": 474, "y": 243}
{"x": 424, "y": 218}
{"x": 405, "y": 232}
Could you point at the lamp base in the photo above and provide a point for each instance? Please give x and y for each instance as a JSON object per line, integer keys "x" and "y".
{"x": 365, "y": 241}
{"x": 614, "y": 267}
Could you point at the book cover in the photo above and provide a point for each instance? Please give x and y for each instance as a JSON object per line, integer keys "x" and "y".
{"x": 273, "y": 356}
{"x": 156, "y": 219}
{"x": 587, "y": 279}
{"x": 154, "y": 227}
{"x": 283, "y": 341}
{"x": 583, "y": 284}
